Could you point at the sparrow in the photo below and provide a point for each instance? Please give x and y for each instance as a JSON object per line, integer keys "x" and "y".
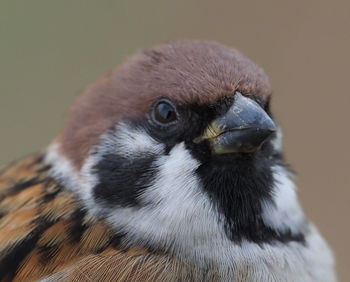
{"x": 169, "y": 168}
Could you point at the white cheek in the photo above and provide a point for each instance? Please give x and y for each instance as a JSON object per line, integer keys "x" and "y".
{"x": 129, "y": 142}
{"x": 123, "y": 140}
{"x": 286, "y": 212}
{"x": 175, "y": 179}
{"x": 171, "y": 199}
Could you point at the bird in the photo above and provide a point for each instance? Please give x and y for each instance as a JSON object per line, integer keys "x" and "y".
{"x": 170, "y": 167}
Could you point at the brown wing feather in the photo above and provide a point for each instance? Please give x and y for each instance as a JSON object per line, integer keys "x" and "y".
{"x": 44, "y": 233}
{"x": 134, "y": 265}
{"x": 43, "y": 229}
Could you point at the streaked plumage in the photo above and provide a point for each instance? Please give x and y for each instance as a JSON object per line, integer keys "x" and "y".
{"x": 44, "y": 230}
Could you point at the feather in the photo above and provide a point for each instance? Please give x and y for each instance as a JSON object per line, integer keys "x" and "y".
{"x": 45, "y": 234}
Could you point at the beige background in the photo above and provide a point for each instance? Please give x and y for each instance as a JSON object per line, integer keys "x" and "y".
{"x": 50, "y": 50}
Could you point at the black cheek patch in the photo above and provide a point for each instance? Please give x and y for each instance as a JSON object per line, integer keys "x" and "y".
{"x": 122, "y": 180}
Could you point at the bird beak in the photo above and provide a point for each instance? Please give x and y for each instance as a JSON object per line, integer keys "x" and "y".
{"x": 244, "y": 128}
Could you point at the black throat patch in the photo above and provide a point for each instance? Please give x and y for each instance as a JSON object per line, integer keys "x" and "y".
{"x": 238, "y": 185}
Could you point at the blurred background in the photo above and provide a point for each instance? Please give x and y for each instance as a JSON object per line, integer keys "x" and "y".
{"x": 50, "y": 50}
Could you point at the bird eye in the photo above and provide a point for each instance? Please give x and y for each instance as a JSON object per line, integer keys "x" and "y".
{"x": 164, "y": 113}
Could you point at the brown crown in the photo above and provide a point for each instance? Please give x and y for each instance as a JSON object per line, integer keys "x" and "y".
{"x": 185, "y": 71}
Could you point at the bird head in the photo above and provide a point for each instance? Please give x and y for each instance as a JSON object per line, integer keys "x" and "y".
{"x": 178, "y": 151}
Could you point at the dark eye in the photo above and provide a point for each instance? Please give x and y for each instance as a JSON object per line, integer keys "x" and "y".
{"x": 164, "y": 113}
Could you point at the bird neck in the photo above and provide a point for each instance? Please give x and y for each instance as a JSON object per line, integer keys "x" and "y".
{"x": 181, "y": 218}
